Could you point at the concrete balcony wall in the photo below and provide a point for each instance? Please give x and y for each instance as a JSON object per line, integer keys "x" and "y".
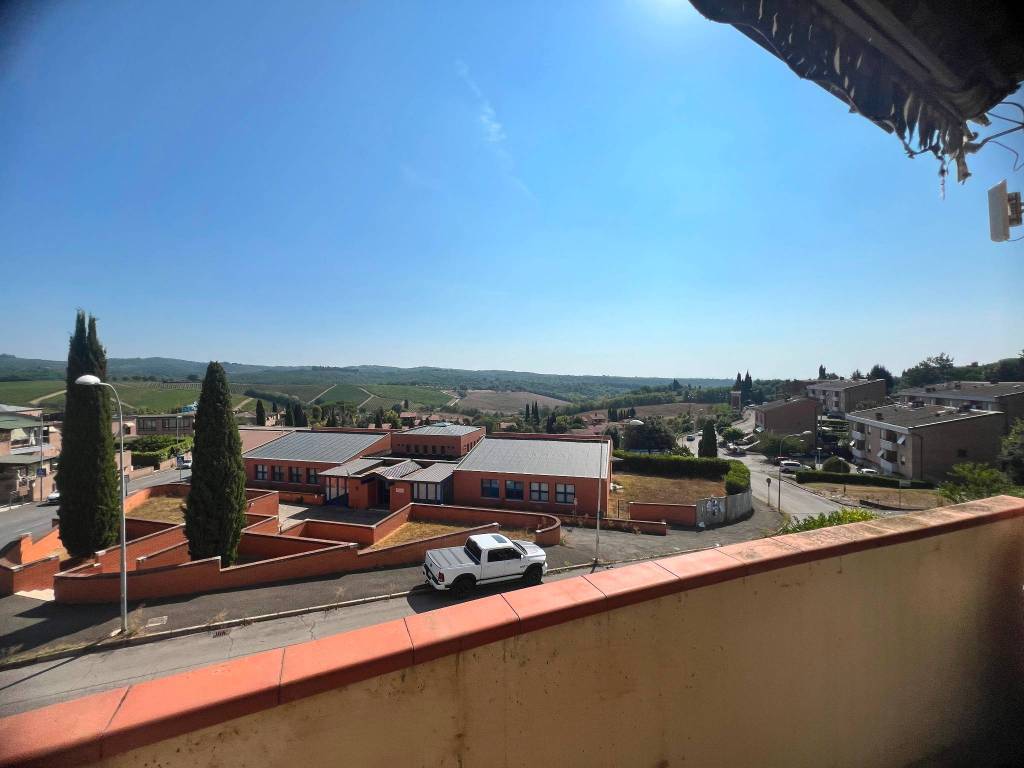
{"x": 880, "y": 643}
{"x": 857, "y": 435}
{"x": 887, "y": 445}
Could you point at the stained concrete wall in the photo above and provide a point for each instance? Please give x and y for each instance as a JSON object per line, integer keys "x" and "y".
{"x": 878, "y": 644}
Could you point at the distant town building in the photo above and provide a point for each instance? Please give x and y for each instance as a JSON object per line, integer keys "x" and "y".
{"x": 840, "y": 396}
{"x": 165, "y": 424}
{"x": 923, "y": 442}
{"x": 787, "y": 417}
{"x": 441, "y": 440}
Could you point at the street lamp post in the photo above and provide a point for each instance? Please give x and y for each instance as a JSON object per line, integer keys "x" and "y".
{"x": 600, "y": 471}
{"x": 781, "y": 441}
{"x": 88, "y": 380}
{"x": 177, "y": 440}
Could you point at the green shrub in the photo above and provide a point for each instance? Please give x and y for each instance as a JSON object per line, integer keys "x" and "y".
{"x": 835, "y": 464}
{"x": 664, "y": 465}
{"x": 811, "y": 476}
{"x": 148, "y": 458}
{"x": 168, "y": 443}
{"x": 828, "y": 519}
{"x": 737, "y": 479}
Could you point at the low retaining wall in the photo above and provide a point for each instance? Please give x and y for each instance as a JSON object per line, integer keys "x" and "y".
{"x": 652, "y": 527}
{"x": 677, "y": 514}
{"x": 546, "y": 527}
{"x": 720, "y": 510}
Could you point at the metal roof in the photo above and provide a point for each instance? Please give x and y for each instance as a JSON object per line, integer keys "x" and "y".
{"x": 435, "y": 473}
{"x": 442, "y": 428}
{"x": 350, "y": 468}
{"x": 23, "y": 458}
{"x": 396, "y": 471}
{"x": 560, "y": 458}
{"x": 773, "y": 404}
{"x": 322, "y": 447}
{"x": 12, "y": 421}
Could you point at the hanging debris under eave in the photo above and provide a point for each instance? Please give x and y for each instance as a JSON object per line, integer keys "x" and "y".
{"x": 918, "y": 68}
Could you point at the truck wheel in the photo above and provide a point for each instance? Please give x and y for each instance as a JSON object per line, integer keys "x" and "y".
{"x": 462, "y": 586}
{"x": 533, "y": 575}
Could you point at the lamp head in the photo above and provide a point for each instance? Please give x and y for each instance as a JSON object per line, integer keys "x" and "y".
{"x": 88, "y": 380}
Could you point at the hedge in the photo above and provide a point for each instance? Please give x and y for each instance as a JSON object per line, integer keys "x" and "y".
{"x": 665, "y": 465}
{"x": 148, "y": 458}
{"x": 737, "y": 479}
{"x": 811, "y": 476}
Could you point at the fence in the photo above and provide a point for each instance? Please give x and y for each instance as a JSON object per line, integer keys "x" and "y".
{"x": 719, "y": 510}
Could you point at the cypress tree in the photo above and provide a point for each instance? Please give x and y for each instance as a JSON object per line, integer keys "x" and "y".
{"x": 707, "y": 446}
{"x": 215, "y": 511}
{"x": 273, "y": 406}
{"x": 288, "y": 420}
{"x": 261, "y": 414}
{"x": 88, "y": 481}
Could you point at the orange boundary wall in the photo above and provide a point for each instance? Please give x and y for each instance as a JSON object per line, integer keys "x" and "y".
{"x": 678, "y": 514}
{"x": 159, "y": 565}
{"x": 113, "y": 722}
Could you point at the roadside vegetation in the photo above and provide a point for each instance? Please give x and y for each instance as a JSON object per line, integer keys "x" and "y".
{"x": 828, "y": 519}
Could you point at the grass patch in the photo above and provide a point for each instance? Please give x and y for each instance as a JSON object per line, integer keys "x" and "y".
{"x": 662, "y": 490}
{"x": 916, "y": 498}
{"x": 22, "y": 392}
{"x": 827, "y": 520}
{"x": 414, "y": 531}
{"x": 169, "y": 509}
{"x": 397, "y": 393}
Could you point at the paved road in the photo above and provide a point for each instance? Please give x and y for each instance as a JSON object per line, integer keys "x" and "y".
{"x": 797, "y": 502}
{"x": 35, "y": 518}
{"x": 48, "y": 682}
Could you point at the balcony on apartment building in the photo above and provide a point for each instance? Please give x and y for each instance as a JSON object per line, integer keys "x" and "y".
{"x": 857, "y": 432}
{"x": 891, "y": 440}
{"x": 876, "y": 664}
{"x": 859, "y": 449}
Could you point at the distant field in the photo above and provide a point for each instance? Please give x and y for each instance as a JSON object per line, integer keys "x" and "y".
{"x": 396, "y": 393}
{"x": 666, "y": 410}
{"x": 150, "y": 396}
{"x": 21, "y": 392}
{"x": 505, "y": 402}
{"x": 347, "y": 393}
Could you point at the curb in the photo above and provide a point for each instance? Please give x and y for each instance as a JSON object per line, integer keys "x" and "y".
{"x": 133, "y": 640}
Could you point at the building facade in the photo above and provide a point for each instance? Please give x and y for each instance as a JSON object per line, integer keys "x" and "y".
{"x": 787, "y": 417}
{"x": 165, "y": 424}
{"x": 1004, "y": 396}
{"x": 840, "y": 396}
{"x": 441, "y": 441}
{"x": 923, "y": 442}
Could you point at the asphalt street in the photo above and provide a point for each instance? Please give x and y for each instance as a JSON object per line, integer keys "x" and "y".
{"x": 35, "y": 517}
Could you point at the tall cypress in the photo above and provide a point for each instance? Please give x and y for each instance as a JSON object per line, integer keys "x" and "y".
{"x": 261, "y": 414}
{"x": 215, "y": 511}
{"x": 88, "y": 480}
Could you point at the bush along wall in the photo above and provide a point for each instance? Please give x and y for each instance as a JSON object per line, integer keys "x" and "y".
{"x": 879, "y": 481}
{"x": 664, "y": 465}
{"x": 737, "y": 479}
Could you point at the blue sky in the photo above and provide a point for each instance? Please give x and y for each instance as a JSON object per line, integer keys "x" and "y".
{"x": 575, "y": 187}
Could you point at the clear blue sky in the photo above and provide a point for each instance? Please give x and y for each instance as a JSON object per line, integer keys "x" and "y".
{"x": 576, "y": 187}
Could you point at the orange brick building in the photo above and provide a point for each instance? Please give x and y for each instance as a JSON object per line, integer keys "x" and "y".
{"x": 441, "y": 440}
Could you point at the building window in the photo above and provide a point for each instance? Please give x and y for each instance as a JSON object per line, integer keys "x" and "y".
{"x": 538, "y": 491}
{"x": 261, "y": 471}
{"x": 489, "y": 489}
{"x": 565, "y": 494}
{"x": 961, "y": 453}
{"x": 433, "y": 449}
{"x": 311, "y": 476}
{"x": 294, "y": 474}
{"x": 425, "y": 492}
{"x": 277, "y": 474}
{"x": 513, "y": 489}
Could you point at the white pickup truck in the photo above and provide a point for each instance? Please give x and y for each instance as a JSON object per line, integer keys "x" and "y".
{"x": 487, "y": 558}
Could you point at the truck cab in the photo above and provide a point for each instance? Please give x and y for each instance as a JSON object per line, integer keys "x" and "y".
{"x": 486, "y": 558}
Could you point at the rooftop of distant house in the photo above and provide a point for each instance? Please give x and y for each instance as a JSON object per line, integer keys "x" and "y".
{"x": 254, "y": 437}
{"x": 442, "y": 428}
{"x": 773, "y": 404}
{"x": 918, "y": 416}
{"x": 972, "y": 390}
{"x": 9, "y": 421}
{"x": 322, "y": 447}
{"x": 4, "y": 408}
{"x": 537, "y": 456}
{"x": 840, "y": 384}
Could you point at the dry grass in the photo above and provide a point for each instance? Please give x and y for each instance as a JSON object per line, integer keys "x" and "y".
{"x": 415, "y": 531}
{"x": 662, "y": 490}
{"x": 913, "y": 498}
{"x": 166, "y": 508}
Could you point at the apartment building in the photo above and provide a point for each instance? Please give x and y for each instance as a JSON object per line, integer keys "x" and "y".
{"x": 840, "y": 396}
{"x": 787, "y": 417}
{"x": 165, "y": 424}
{"x": 1004, "y": 396}
{"x": 923, "y": 442}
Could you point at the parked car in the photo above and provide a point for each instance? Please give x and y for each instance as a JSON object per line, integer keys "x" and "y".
{"x": 184, "y": 462}
{"x": 867, "y": 471}
{"x": 53, "y": 498}
{"x": 789, "y": 466}
{"x": 487, "y": 558}
{"x": 690, "y": 438}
